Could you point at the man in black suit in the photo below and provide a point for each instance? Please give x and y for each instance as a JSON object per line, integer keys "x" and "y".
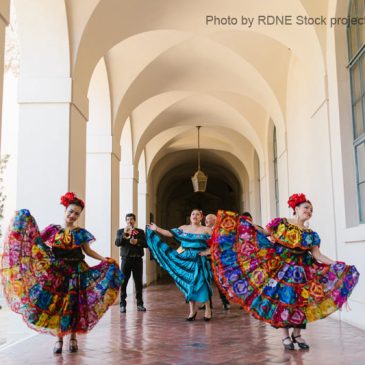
{"x": 131, "y": 241}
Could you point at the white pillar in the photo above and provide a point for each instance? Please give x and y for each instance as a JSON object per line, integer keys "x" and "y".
{"x": 100, "y": 193}
{"x": 142, "y": 205}
{"x": 264, "y": 199}
{"x": 284, "y": 192}
{"x": 52, "y": 146}
{"x": 128, "y": 191}
{"x": 4, "y": 21}
{"x": 115, "y": 201}
{"x": 149, "y": 267}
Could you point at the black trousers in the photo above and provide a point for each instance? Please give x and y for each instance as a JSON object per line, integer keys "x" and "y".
{"x": 132, "y": 265}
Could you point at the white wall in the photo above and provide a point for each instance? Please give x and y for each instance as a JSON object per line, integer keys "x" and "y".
{"x": 4, "y": 21}
{"x": 315, "y": 163}
{"x": 9, "y": 147}
{"x": 350, "y": 234}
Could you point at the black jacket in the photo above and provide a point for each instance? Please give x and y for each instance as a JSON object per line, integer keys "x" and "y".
{"x": 126, "y": 249}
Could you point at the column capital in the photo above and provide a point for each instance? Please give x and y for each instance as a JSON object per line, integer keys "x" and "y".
{"x": 128, "y": 172}
{"x": 52, "y": 90}
{"x": 102, "y": 145}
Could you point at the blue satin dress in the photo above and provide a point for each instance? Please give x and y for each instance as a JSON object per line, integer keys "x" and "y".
{"x": 190, "y": 271}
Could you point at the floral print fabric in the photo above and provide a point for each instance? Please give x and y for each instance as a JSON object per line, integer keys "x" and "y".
{"x": 277, "y": 280}
{"x": 292, "y": 236}
{"x": 55, "y": 296}
{"x": 57, "y": 236}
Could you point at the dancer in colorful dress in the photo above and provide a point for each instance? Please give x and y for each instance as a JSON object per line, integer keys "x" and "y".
{"x": 284, "y": 280}
{"x": 190, "y": 271}
{"x": 47, "y": 281}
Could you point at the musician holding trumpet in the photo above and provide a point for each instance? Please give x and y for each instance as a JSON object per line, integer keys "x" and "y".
{"x": 132, "y": 242}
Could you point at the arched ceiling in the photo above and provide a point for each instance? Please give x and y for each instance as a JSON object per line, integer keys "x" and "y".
{"x": 125, "y": 19}
{"x": 177, "y": 182}
{"x": 169, "y": 71}
{"x": 174, "y": 191}
{"x": 219, "y": 159}
{"x": 185, "y": 138}
{"x": 200, "y": 65}
{"x": 207, "y": 111}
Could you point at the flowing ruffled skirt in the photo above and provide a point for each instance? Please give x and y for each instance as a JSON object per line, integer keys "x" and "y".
{"x": 53, "y": 296}
{"x": 280, "y": 286}
{"x": 191, "y": 272}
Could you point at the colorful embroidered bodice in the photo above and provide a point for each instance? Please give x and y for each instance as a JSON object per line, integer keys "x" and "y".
{"x": 291, "y": 235}
{"x": 56, "y": 236}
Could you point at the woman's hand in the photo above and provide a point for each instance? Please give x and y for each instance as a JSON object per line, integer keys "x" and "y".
{"x": 152, "y": 227}
{"x": 110, "y": 259}
{"x": 262, "y": 230}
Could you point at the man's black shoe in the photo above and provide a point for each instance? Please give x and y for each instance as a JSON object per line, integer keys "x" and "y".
{"x": 141, "y": 308}
{"x": 123, "y": 309}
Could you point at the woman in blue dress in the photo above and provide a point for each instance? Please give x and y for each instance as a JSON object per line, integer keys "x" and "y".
{"x": 188, "y": 266}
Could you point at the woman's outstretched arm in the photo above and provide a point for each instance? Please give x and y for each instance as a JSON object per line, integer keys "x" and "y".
{"x": 90, "y": 252}
{"x": 320, "y": 257}
{"x": 164, "y": 232}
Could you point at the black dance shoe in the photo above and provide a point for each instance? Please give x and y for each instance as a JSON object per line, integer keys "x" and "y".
{"x": 206, "y": 319}
{"x": 72, "y": 346}
{"x": 123, "y": 309}
{"x": 288, "y": 346}
{"x": 57, "y": 349}
{"x": 192, "y": 318}
{"x": 141, "y": 308}
{"x": 302, "y": 344}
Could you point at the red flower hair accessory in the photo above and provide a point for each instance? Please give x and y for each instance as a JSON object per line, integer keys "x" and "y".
{"x": 296, "y": 199}
{"x": 71, "y": 198}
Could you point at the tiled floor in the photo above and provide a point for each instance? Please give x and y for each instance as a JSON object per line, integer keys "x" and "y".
{"x": 161, "y": 336}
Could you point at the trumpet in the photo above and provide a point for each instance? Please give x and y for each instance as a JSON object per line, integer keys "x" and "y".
{"x": 127, "y": 233}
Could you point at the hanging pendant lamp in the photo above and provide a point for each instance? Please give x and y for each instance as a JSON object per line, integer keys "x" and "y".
{"x": 199, "y": 179}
